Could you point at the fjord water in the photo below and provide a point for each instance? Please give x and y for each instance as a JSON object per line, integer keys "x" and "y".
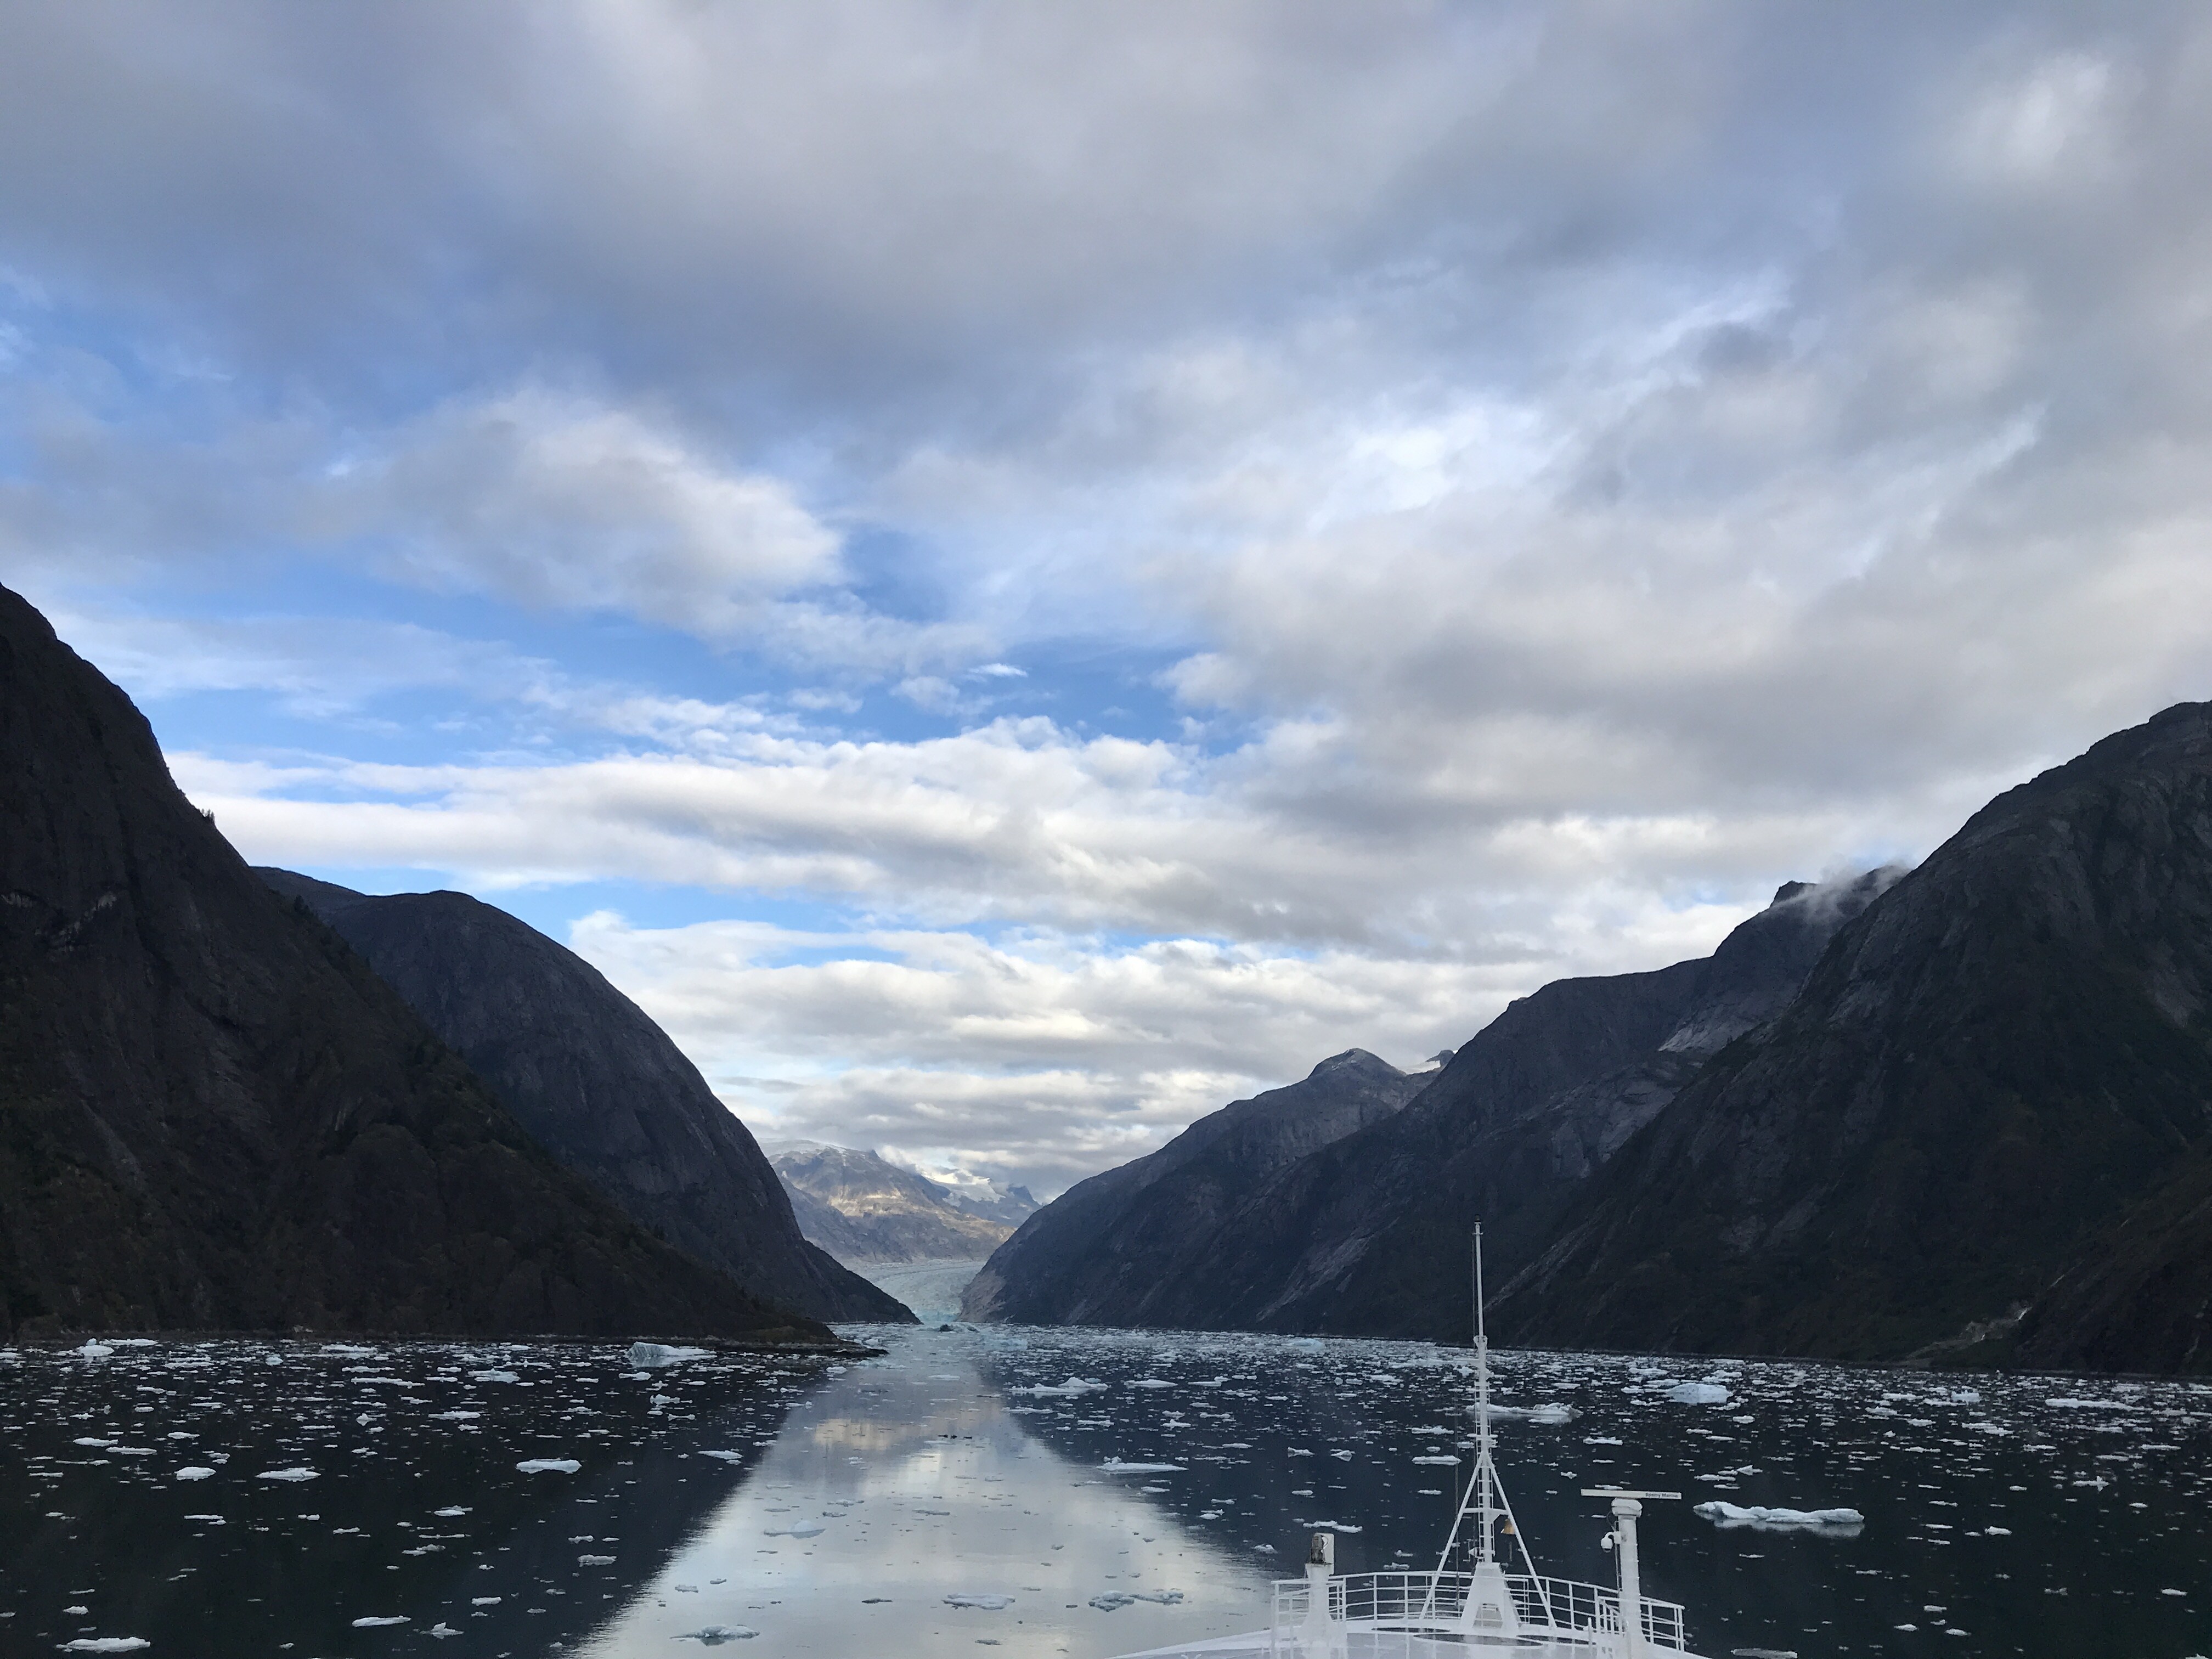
{"x": 985, "y": 1488}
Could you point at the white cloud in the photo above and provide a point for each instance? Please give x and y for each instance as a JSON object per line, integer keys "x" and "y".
{"x": 558, "y": 504}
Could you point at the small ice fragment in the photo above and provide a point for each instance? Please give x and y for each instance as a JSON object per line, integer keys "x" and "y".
{"x": 713, "y": 1636}
{"x": 1116, "y": 1466}
{"x": 99, "y": 1350}
{"x": 453, "y": 1416}
{"x": 87, "y": 1440}
{"x": 484, "y": 1601}
{"x": 1435, "y": 1460}
{"x": 106, "y": 1645}
{"x": 804, "y": 1529}
{"x": 347, "y": 1348}
{"x": 595, "y": 1560}
{"x": 988, "y": 1603}
{"x": 727, "y": 1456}
{"x": 449, "y": 1512}
{"x": 494, "y": 1376}
{"x": 374, "y": 1623}
{"x": 290, "y": 1474}
{"x": 195, "y": 1472}
{"x": 1551, "y": 1413}
{"x": 1328, "y": 1525}
{"x": 549, "y": 1466}
{"x": 442, "y": 1629}
{"x": 1342, "y": 1456}
{"x": 1152, "y": 1382}
{"x": 76, "y": 1612}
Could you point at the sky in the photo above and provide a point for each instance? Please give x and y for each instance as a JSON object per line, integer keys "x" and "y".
{"x": 1014, "y": 573}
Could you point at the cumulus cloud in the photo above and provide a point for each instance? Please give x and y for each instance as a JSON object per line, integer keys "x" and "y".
{"x": 1033, "y": 1058}
{"x": 556, "y": 503}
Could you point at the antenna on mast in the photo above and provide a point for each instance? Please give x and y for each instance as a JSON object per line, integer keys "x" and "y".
{"x": 1485, "y": 1502}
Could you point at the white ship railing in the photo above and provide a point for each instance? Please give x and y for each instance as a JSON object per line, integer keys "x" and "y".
{"x": 1415, "y": 1604}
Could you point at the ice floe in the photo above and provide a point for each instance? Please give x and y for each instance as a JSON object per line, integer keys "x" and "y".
{"x": 988, "y": 1603}
{"x": 1731, "y": 1515}
{"x": 651, "y": 1356}
{"x": 549, "y": 1466}
{"x": 713, "y": 1636}
{"x": 195, "y": 1472}
{"x": 290, "y": 1474}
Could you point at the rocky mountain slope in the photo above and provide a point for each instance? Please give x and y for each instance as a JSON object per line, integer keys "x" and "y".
{"x": 1994, "y": 1094}
{"x": 862, "y": 1207}
{"x": 214, "y": 1114}
{"x": 1117, "y": 1249}
{"x": 597, "y": 1084}
{"x": 1363, "y": 1231}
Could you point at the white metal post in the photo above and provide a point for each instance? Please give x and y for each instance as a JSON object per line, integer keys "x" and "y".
{"x": 1625, "y": 1511}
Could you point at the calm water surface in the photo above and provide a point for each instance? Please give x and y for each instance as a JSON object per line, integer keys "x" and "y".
{"x": 831, "y": 1509}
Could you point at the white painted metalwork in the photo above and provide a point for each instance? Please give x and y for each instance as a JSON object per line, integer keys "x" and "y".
{"x": 1485, "y": 1610}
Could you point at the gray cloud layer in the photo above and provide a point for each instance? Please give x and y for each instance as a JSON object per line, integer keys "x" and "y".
{"x": 1584, "y": 462}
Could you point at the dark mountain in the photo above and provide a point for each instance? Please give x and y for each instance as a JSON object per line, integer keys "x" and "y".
{"x": 596, "y": 1082}
{"x": 1363, "y": 1230}
{"x": 214, "y": 1114}
{"x": 1995, "y": 1093}
{"x": 1117, "y": 1249}
{"x": 861, "y": 1207}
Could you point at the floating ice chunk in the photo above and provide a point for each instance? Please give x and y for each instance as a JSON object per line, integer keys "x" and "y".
{"x": 455, "y": 1416}
{"x": 484, "y": 1601}
{"x": 290, "y": 1474}
{"x": 1698, "y": 1393}
{"x": 106, "y": 1645}
{"x": 347, "y": 1348}
{"x": 1730, "y": 1514}
{"x": 1438, "y": 1461}
{"x": 450, "y": 1512}
{"x": 1074, "y": 1385}
{"x": 988, "y": 1603}
{"x": 1329, "y": 1526}
{"x": 441, "y": 1630}
{"x": 1111, "y": 1602}
{"x": 195, "y": 1472}
{"x": 87, "y": 1440}
{"x": 2093, "y": 1405}
{"x": 1116, "y": 1466}
{"x": 727, "y": 1456}
{"x": 131, "y": 1341}
{"x": 1152, "y": 1382}
{"x": 652, "y": 1355}
{"x": 803, "y": 1529}
{"x": 376, "y": 1624}
{"x": 494, "y": 1376}
{"x": 96, "y": 1351}
{"x": 595, "y": 1560}
{"x": 1553, "y": 1412}
{"x": 713, "y": 1636}
{"x": 549, "y": 1466}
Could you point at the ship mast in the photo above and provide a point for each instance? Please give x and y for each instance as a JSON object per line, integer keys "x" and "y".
{"x": 1485, "y": 1502}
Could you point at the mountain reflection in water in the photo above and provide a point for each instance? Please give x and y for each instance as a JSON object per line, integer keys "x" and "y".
{"x": 987, "y": 1487}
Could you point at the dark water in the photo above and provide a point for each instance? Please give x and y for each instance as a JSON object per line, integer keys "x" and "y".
{"x": 855, "y": 1499}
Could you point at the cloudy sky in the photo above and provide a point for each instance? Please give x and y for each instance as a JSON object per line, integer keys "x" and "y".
{"x": 1014, "y": 573}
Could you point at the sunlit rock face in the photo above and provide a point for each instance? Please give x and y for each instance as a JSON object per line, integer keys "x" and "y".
{"x": 214, "y": 1115}
{"x": 864, "y": 1208}
{"x": 601, "y": 1086}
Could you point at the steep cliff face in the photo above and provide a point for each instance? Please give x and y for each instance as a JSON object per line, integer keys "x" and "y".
{"x": 1117, "y": 1249}
{"x": 598, "y": 1085}
{"x": 213, "y": 1115}
{"x": 861, "y": 1207}
{"x": 1994, "y": 1092}
{"x": 1362, "y": 1230}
